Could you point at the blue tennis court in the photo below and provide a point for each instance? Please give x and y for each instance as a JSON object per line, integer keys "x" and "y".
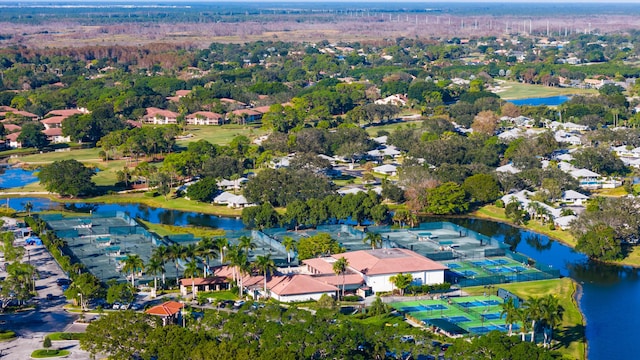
{"x": 468, "y": 304}
{"x": 500, "y": 261}
{"x": 494, "y": 316}
{"x": 491, "y": 302}
{"x": 457, "y": 319}
{"x": 466, "y": 272}
{"x": 453, "y": 266}
{"x": 519, "y": 268}
{"x": 433, "y": 307}
{"x": 501, "y": 270}
{"x": 481, "y": 263}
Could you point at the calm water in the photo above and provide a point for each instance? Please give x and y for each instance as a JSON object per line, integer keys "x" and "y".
{"x": 15, "y": 177}
{"x": 608, "y": 297}
{"x": 548, "y": 101}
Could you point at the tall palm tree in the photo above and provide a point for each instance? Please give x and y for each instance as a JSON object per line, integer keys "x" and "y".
{"x": 222, "y": 244}
{"x": 192, "y": 270}
{"x": 191, "y": 252}
{"x": 240, "y": 262}
{"x": 534, "y": 311}
{"x": 523, "y": 316}
{"x": 510, "y": 312}
{"x": 401, "y": 281}
{"x": 289, "y": 245}
{"x": 162, "y": 254}
{"x": 176, "y": 252}
{"x": 28, "y": 206}
{"x": 266, "y": 266}
{"x": 154, "y": 267}
{"x": 133, "y": 264}
{"x": 552, "y": 314}
{"x": 340, "y": 268}
{"x": 374, "y": 239}
{"x": 206, "y": 251}
{"x": 246, "y": 243}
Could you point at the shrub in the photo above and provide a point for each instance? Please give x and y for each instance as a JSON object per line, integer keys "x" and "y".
{"x": 499, "y": 204}
{"x": 46, "y": 343}
{"x": 7, "y": 334}
{"x": 151, "y": 194}
{"x": 352, "y": 298}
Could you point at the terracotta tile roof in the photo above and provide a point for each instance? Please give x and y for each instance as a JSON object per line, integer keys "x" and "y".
{"x": 204, "y": 114}
{"x": 297, "y": 284}
{"x": 231, "y": 101}
{"x": 53, "y": 120}
{"x": 168, "y": 308}
{"x": 262, "y": 109}
{"x": 319, "y": 265}
{"x": 13, "y": 136}
{"x": 153, "y": 112}
{"x": 53, "y": 132}
{"x": 183, "y": 92}
{"x": 336, "y": 280}
{"x": 11, "y": 127}
{"x": 204, "y": 281}
{"x": 388, "y": 261}
{"x": 246, "y": 112}
{"x": 64, "y": 112}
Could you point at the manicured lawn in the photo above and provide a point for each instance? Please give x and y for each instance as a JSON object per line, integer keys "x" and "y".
{"x": 570, "y": 333}
{"x": 164, "y": 230}
{"x": 516, "y": 90}
{"x": 616, "y": 192}
{"x": 57, "y": 336}
{"x": 7, "y": 335}
{"x": 492, "y": 212}
{"x": 221, "y": 135}
{"x": 43, "y": 353}
{"x": 373, "y": 130}
{"x": 82, "y": 155}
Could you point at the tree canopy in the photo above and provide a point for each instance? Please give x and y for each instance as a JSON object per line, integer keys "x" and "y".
{"x": 67, "y": 178}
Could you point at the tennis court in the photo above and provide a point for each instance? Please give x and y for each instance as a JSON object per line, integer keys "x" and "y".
{"x": 475, "y": 314}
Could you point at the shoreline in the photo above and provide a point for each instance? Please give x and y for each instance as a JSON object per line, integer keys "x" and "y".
{"x": 577, "y": 298}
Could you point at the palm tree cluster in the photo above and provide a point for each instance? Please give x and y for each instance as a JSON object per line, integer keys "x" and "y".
{"x": 538, "y": 313}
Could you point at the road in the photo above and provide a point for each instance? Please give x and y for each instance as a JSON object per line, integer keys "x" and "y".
{"x": 48, "y": 316}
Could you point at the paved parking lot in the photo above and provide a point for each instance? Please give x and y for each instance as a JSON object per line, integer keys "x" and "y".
{"x": 48, "y": 316}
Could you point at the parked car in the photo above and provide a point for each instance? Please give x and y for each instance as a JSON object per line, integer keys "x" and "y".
{"x": 238, "y": 304}
{"x": 116, "y": 306}
{"x": 50, "y": 297}
{"x": 63, "y": 281}
{"x": 135, "y": 307}
{"x": 124, "y": 306}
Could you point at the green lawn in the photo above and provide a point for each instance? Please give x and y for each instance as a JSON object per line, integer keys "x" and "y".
{"x": 492, "y": 212}
{"x": 570, "y": 333}
{"x": 163, "y": 230}
{"x": 44, "y": 353}
{"x": 57, "y": 336}
{"x": 516, "y": 90}
{"x": 221, "y": 135}
{"x": 373, "y": 130}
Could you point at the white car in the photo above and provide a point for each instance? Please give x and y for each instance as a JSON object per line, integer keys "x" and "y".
{"x": 115, "y": 306}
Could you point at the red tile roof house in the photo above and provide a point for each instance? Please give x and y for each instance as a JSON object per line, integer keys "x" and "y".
{"x": 54, "y": 135}
{"x": 204, "y": 118}
{"x": 377, "y": 266}
{"x": 213, "y": 283}
{"x": 160, "y": 117}
{"x": 168, "y": 311}
{"x": 53, "y": 122}
{"x": 244, "y": 115}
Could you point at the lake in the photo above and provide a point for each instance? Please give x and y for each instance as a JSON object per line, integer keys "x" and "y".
{"x": 12, "y": 177}
{"x": 608, "y": 292}
{"x": 548, "y": 101}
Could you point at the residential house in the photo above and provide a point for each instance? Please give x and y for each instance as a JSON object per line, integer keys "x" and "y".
{"x": 350, "y": 190}
{"x": 379, "y": 154}
{"x": 587, "y": 178}
{"x": 9, "y": 112}
{"x": 54, "y": 122}
{"x": 160, "y": 117}
{"x": 568, "y": 126}
{"x": 12, "y": 140}
{"x": 232, "y": 184}
{"x": 245, "y": 115}
{"x": 572, "y": 197}
{"x": 223, "y": 198}
{"x": 509, "y": 168}
{"x": 170, "y": 312}
{"x": 204, "y": 118}
{"x": 66, "y": 112}
{"x": 54, "y": 135}
{"x": 238, "y": 202}
{"x": 179, "y": 94}
{"x": 386, "y": 169}
{"x": 212, "y": 283}
{"x": 564, "y": 222}
{"x": 397, "y": 99}
{"x": 11, "y": 128}
{"x": 566, "y": 137}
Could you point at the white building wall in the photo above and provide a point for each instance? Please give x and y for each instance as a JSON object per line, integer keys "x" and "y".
{"x": 382, "y": 283}
{"x": 300, "y": 297}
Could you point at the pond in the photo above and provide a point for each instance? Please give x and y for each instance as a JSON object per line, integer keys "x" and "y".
{"x": 548, "y": 101}
{"x": 14, "y": 177}
{"x": 608, "y": 296}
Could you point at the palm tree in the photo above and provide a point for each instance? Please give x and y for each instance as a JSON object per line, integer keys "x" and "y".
{"x": 534, "y": 312}
{"x": 162, "y": 254}
{"x": 511, "y": 313}
{"x": 191, "y": 251}
{"x": 340, "y": 267}
{"x": 154, "y": 267}
{"x": 401, "y": 281}
{"x": 266, "y": 266}
{"x": 289, "y": 245}
{"x": 551, "y": 315}
{"x": 192, "y": 270}
{"x": 240, "y": 262}
{"x": 374, "y": 239}
{"x": 133, "y": 264}
{"x": 221, "y": 244}
{"x": 523, "y": 316}
{"x": 28, "y": 207}
{"x": 176, "y": 252}
{"x": 206, "y": 250}
{"x": 246, "y": 243}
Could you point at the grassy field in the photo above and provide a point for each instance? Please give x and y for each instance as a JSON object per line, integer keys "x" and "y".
{"x": 570, "y": 333}
{"x": 65, "y": 336}
{"x": 516, "y": 90}
{"x": 164, "y": 230}
{"x": 373, "y": 130}
{"x": 47, "y": 353}
{"x": 221, "y": 135}
{"x": 491, "y": 212}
